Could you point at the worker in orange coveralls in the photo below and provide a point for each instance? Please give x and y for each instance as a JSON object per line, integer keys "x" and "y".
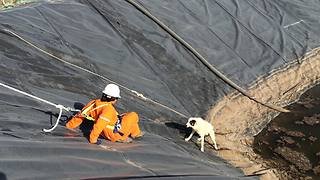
{"x": 108, "y": 122}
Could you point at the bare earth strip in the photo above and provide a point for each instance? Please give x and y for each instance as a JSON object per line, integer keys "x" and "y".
{"x": 237, "y": 119}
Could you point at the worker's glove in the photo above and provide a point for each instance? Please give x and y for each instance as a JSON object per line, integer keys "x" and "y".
{"x": 72, "y": 109}
{"x": 99, "y": 141}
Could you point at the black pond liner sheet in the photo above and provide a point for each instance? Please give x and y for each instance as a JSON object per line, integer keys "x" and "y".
{"x": 245, "y": 40}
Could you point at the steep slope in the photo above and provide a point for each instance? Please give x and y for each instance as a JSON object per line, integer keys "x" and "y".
{"x": 114, "y": 42}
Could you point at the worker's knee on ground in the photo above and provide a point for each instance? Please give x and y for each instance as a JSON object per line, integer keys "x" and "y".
{"x": 74, "y": 122}
{"x": 132, "y": 116}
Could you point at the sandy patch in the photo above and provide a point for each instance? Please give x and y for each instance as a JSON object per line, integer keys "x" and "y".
{"x": 237, "y": 119}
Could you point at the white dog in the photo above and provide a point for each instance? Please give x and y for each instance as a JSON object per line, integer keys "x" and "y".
{"x": 203, "y": 128}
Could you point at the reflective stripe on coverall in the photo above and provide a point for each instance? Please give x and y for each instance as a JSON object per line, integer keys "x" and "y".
{"x": 106, "y": 117}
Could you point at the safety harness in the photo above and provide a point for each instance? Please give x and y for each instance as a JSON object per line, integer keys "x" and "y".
{"x": 85, "y": 113}
{"x": 117, "y": 126}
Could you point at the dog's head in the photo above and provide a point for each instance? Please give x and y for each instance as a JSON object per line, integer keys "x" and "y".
{"x": 192, "y": 121}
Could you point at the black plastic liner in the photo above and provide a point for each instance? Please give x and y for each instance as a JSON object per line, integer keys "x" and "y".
{"x": 245, "y": 40}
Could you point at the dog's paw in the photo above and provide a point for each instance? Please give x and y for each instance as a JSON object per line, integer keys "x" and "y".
{"x": 186, "y": 139}
{"x": 202, "y": 149}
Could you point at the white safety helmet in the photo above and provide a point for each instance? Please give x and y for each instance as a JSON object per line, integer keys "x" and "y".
{"x": 112, "y": 90}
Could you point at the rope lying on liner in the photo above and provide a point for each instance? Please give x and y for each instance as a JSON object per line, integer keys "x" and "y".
{"x": 202, "y": 59}
{"x": 139, "y": 95}
{"x": 59, "y": 106}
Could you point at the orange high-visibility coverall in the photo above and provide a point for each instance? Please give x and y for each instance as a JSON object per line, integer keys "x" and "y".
{"x": 105, "y": 116}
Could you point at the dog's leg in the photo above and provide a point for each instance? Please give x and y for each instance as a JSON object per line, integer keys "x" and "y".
{"x": 213, "y": 138}
{"x": 187, "y": 139}
{"x": 202, "y": 143}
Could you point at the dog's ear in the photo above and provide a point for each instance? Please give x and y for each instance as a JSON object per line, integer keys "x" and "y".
{"x": 193, "y": 122}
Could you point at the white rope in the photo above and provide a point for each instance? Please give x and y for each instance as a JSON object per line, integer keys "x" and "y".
{"x": 96, "y": 74}
{"x": 295, "y": 23}
{"x": 139, "y": 95}
{"x": 59, "y": 106}
{"x": 57, "y": 122}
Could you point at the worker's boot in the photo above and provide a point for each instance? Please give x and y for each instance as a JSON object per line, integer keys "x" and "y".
{"x": 128, "y": 140}
{"x": 139, "y": 135}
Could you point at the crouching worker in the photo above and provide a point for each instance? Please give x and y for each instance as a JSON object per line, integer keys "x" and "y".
{"x": 107, "y": 122}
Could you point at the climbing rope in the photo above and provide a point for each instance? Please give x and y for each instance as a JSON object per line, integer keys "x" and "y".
{"x": 137, "y": 94}
{"x": 59, "y": 106}
{"x": 202, "y": 59}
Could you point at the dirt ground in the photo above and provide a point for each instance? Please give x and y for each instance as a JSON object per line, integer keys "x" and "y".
{"x": 237, "y": 119}
{"x": 290, "y": 142}
{"x": 5, "y": 2}
{"x": 11, "y": 3}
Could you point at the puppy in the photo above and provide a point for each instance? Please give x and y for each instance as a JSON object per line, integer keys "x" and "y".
{"x": 203, "y": 128}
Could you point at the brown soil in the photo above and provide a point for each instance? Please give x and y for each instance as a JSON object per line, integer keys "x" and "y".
{"x": 290, "y": 141}
{"x": 10, "y": 3}
{"x": 6, "y": 2}
{"x": 237, "y": 119}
